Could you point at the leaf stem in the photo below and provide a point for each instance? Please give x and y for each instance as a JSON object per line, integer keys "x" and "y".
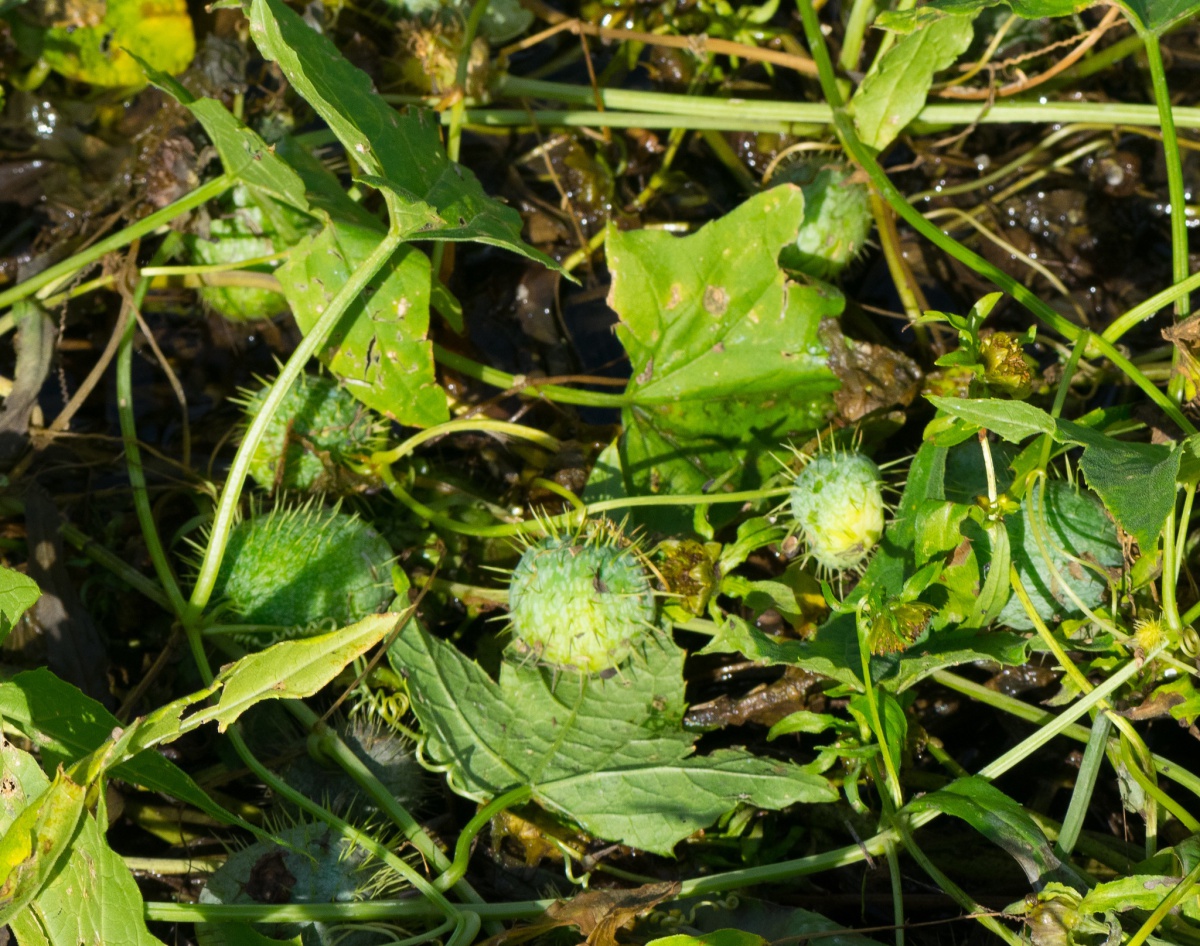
{"x": 524, "y": 386}
{"x": 308, "y": 347}
{"x": 1166, "y": 120}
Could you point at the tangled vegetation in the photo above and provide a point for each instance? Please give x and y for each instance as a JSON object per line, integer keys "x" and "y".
{"x": 617, "y": 473}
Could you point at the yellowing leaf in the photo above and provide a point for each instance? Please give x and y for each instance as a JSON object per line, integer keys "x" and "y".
{"x": 159, "y": 31}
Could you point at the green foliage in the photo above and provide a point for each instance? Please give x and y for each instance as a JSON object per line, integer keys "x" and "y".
{"x": 108, "y": 48}
{"x": 1060, "y": 541}
{"x": 1003, "y": 822}
{"x": 609, "y": 755}
{"x": 379, "y": 348}
{"x": 299, "y": 568}
{"x": 18, "y": 593}
{"x": 893, "y": 93}
{"x": 724, "y": 351}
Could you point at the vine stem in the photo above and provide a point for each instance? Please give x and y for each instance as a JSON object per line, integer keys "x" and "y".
{"x": 133, "y": 453}
{"x": 122, "y": 238}
{"x": 308, "y": 347}
{"x": 864, "y": 157}
{"x": 1166, "y": 119}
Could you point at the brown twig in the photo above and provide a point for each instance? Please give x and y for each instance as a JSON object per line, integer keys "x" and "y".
{"x": 696, "y": 43}
{"x": 1028, "y": 82}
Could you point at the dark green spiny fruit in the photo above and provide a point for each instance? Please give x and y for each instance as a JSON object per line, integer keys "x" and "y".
{"x": 305, "y": 568}
{"x": 386, "y": 753}
{"x": 580, "y": 603}
{"x": 312, "y": 864}
{"x": 837, "y": 217}
{"x": 318, "y": 427}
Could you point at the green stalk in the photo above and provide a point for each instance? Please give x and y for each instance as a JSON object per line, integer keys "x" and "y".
{"x": 308, "y": 347}
{"x": 1144, "y": 310}
{"x": 1085, "y": 784}
{"x": 752, "y": 114}
{"x": 133, "y": 453}
{"x": 409, "y": 909}
{"x": 462, "y": 848}
{"x": 120, "y": 239}
{"x": 1162, "y": 100}
{"x": 866, "y": 160}
{"x": 526, "y": 387}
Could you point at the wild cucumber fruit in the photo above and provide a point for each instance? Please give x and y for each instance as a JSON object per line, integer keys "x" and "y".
{"x": 319, "y": 426}
{"x": 311, "y": 864}
{"x": 304, "y": 568}
{"x": 837, "y": 217}
{"x": 386, "y": 753}
{"x": 837, "y": 500}
{"x": 580, "y": 603}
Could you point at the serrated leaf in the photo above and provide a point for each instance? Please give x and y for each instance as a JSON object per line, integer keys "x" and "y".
{"x": 724, "y": 351}
{"x": 1135, "y": 481}
{"x": 833, "y": 652}
{"x": 18, "y": 593}
{"x": 893, "y": 94}
{"x": 610, "y": 754}
{"x": 1003, "y": 822}
{"x": 67, "y": 725}
{"x": 293, "y": 669}
{"x": 379, "y": 348}
{"x": 243, "y": 153}
{"x": 404, "y": 149}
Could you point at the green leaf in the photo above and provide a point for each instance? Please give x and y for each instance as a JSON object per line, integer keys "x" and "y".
{"x": 725, "y": 354}
{"x": 1134, "y": 892}
{"x": 610, "y": 755}
{"x": 905, "y": 21}
{"x": 67, "y": 725}
{"x": 159, "y": 30}
{"x": 833, "y": 652}
{"x": 18, "y": 593}
{"x": 35, "y": 840}
{"x": 89, "y": 896}
{"x": 1003, "y": 822}
{"x": 243, "y": 153}
{"x": 1158, "y": 15}
{"x": 379, "y": 348}
{"x": 1012, "y": 420}
{"x": 292, "y": 669}
{"x": 893, "y": 94}
{"x": 1072, "y": 522}
{"x": 717, "y": 938}
{"x": 403, "y": 149}
{"x": 1135, "y": 481}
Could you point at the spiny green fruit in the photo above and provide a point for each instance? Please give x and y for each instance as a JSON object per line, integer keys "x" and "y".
{"x": 304, "y": 568}
{"x": 318, "y": 426}
{"x": 837, "y": 217}
{"x": 580, "y": 603}
{"x": 386, "y": 753}
{"x": 837, "y": 500}
{"x": 311, "y": 864}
